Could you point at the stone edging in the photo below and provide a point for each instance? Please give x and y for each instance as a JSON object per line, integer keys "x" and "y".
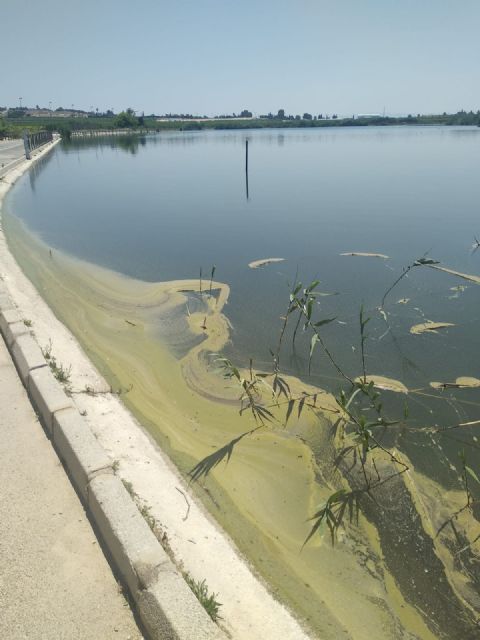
{"x": 165, "y": 604}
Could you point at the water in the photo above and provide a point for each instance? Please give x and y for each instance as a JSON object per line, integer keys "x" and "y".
{"x": 166, "y": 206}
{"x": 162, "y": 207}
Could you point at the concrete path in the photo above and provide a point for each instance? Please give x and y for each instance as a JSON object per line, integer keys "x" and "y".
{"x": 55, "y": 583}
{"x": 10, "y": 150}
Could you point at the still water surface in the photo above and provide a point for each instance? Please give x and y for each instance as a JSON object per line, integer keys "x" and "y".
{"x": 160, "y": 208}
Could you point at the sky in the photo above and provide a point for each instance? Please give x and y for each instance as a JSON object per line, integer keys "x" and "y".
{"x": 219, "y": 56}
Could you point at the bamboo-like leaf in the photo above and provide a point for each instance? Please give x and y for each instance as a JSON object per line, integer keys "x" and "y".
{"x": 320, "y": 516}
{"x": 323, "y": 322}
{"x": 263, "y": 413}
{"x": 281, "y": 385}
{"x": 343, "y": 453}
{"x": 301, "y": 404}
{"x": 326, "y": 513}
{"x": 309, "y": 308}
{"x": 313, "y": 285}
{"x": 313, "y": 342}
{"x": 472, "y": 473}
{"x": 208, "y": 463}
{"x": 291, "y": 404}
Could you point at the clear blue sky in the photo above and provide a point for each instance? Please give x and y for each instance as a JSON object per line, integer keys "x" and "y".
{"x": 213, "y": 56}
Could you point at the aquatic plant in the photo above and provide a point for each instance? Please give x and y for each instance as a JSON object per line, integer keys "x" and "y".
{"x": 212, "y": 273}
{"x": 365, "y": 460}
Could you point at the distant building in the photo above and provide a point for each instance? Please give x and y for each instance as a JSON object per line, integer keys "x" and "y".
{"x": 39, "y": 113}
{"x": 365, "y": 116}
{"x": 48, "y": 113}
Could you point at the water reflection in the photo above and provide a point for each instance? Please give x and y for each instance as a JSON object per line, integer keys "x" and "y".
{"x": 123, "y": 142}
{"x": 37, "y": 169}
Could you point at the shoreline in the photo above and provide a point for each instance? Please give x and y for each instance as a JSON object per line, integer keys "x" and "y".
{"x": 155, "y": 480}
{"x": 124, "y": 300}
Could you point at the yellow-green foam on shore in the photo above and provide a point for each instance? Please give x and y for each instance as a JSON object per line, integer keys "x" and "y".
{"x": 270, "y": 487}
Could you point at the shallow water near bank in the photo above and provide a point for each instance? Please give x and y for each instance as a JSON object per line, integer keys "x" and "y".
{"x": 121, "y": 322}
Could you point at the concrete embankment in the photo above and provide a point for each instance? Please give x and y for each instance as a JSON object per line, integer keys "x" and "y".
{"x": 163, "y": 601}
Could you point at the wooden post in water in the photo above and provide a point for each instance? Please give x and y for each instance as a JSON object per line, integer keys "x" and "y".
{"x": 246, "y": 166}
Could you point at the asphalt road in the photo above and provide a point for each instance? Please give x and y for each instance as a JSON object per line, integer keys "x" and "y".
{"x": 10, "y": 150}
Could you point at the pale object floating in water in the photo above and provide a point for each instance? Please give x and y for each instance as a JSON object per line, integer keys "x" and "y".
{"x": 387, "y": 384}
{"x": 261, "y": 263}
{"x": 464, "y": 382}
{"x": 403, "y": 301}
{"x": 430, "y": 327}
{"x": 459, "y": 274}
{"x": 363, "y": 254}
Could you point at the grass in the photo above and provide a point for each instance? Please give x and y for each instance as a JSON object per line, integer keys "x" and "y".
{"x": 206, "y": 599}
{"x": 129, "y": 487}
{"x": 144, "y": 509}
{"x": 61, "y": 373}
{"x": 148, "y": 517}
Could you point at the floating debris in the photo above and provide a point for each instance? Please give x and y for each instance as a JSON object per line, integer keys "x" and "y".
{"x": 464, "y": 382}
{"x": 459, "y": 274}
{"x": 458, "y": 290}
{"x": 261, "y": 263}
{"x": 430, "y": 327}
{"x": 387, "y": 384}
{"x": 363, "y": 254}
{"x": 383, "y": 314}
{"x": 403, "y": 301}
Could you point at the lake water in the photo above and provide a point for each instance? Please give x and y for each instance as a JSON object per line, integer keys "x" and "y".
{"x": 160, "y": 208}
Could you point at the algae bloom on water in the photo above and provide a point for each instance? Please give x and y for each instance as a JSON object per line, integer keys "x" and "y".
{"x": 395, "y": 571}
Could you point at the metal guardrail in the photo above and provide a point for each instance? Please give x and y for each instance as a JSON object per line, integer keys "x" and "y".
{"x": 32, "y": 141}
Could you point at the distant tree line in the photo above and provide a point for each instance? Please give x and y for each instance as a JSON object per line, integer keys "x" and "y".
{"x": 14, "y": 122}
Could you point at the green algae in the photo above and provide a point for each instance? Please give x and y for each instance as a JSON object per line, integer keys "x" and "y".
{"x": 272, "y": 484}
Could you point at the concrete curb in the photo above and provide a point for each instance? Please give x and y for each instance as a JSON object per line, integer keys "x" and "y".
{"x": 165, "y": 604}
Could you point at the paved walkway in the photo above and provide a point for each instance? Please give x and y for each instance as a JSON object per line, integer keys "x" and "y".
{"x": 55, "y": 583}
{"x": 10, "y": 150}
